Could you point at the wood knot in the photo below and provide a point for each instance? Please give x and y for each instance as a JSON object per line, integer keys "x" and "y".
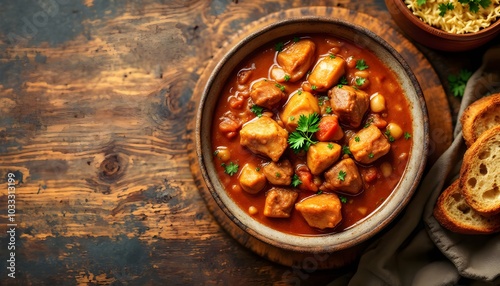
{"x": 112, "y": 167}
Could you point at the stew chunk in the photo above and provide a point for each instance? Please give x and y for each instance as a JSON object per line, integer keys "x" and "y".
{"x": 322, "y": 155}
{"x": 297, "y": 58}
{"x": 251, "y": 180}
{"x": 266, "y": 93}
{"x": 301, "y": 103}
{"x": 279, "y": 173}
{"x": 343, "y": 177}
{"x": 279, "y": 202}
{"x": 264, "y": 136}
{"x": 327, "y": 72}
{"x": 368, "y": 145}
{"x": 349, "y": 104}
{"x": 321, "y": 211}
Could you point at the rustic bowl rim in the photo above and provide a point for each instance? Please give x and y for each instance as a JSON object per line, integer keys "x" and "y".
{"x": 328, "y": 242}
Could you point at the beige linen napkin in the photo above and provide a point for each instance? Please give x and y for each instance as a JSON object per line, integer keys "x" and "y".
{"x": 416, "y": 250}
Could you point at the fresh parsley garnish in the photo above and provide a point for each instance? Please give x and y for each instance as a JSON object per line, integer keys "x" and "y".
{"x": 230, "y": 168}
{"x": 346, "y": 150}
{"x": 458, "y": 82}
{"x": 296, "y": 181}
{"x": 343, "y": 199}
{"x": 278, "y": 175}
{"x": 332, "y": 56}
{"x": 341, "y": 175}
{"x": 281, "y": 87}
{"x": 313, "y": 87}
{"x": 443, "y": 7}
{"x": 421, "y": 2}
{"x": 361, "y": 65}
{"x": 389, "y": 136}
{"x": 407, "y": 135}
{"x": 328, "y": 110}
{"x": 356, "y": 139}
{"x": 343, "y": 80}
{"x": 360, "y": 81}
{"x": 330, "y": 146}
{"x": 279, "y": 46}
{"x": 474, "y": 4}
{"x": 322, "y": 99}
{"x": 370, "y": 155}
{"x": 257, "y": 110}
{"x": 302, "y": 138}
{"x": 368, "y": 123}
{"x": 287, "y": 77}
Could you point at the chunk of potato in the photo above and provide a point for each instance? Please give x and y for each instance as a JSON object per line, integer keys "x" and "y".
{"x": 321, "y": 211}
{"x": 301, "y": 103}
{"x": 279, "y": 202}
{"x": 251, "y": 180}
{"x": 264, "y": 136}
{"x": 326, "y": 72}
{"x": 368, "y": 145}
{"x": 297, "y": 58}
{"x": 322, "y": 155}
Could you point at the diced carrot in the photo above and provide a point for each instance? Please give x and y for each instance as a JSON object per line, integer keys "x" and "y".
{"x": 328, "y": 126}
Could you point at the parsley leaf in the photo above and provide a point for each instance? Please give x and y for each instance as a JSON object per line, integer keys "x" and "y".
{"x": 346, "y": 150}
{"x": 279, "y": 46}
{"x": 421, "y": 2}
{"x": 343, "y": 199}
{"x": 343, "y": 81}
{"x": 257, "y": 110}
{"x": 341, "y": 175}
{"x": 407, "y": 135}
{"x": 458, "y": 82}
{"x": 230, "y": 168}
{"x": 443, "y": 7}
{"x": 389, "y": 136}
{"x": 360, "y": 81}
{"x": 296, "y": 181}
{"x": 287, "y": 77}
{"x": 281, "y": 87}
{"x": 302, "y": 138}
{"x": 361, "y": 65}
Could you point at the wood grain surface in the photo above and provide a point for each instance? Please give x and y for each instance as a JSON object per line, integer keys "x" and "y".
{"x": 95, "y": 102}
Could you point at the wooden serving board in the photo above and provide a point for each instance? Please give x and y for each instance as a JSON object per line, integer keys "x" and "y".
{"x": 437, "y": 104}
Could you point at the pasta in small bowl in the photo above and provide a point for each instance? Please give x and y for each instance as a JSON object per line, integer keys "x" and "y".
{"x": 447, "y": 25}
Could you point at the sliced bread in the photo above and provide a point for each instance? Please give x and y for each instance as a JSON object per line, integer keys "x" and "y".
{"x": 479, "y": 175}
{"x": 453, "y": 213}
{"x": 480, "y": 116}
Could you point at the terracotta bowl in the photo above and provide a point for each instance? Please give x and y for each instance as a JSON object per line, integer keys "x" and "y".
{"x": 435, "y": 38}
{"x": 392, "y": 206}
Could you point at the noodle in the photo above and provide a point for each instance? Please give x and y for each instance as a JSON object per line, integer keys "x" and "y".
{"x": 457, "y": 21}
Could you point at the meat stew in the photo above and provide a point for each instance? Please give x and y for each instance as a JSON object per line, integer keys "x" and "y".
{"x": 315, "y": 129}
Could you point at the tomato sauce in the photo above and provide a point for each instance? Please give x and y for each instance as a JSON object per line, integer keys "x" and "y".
{"x": 234, "y": 102}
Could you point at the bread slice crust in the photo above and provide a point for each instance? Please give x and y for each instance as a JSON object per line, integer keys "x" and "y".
{"x": 480, "y": 116}
{"x": 453, "y": 213}
{"x": 479, "y": 175}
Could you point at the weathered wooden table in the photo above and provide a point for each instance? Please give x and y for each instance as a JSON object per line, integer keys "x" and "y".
{"x": 97, "y": 100}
